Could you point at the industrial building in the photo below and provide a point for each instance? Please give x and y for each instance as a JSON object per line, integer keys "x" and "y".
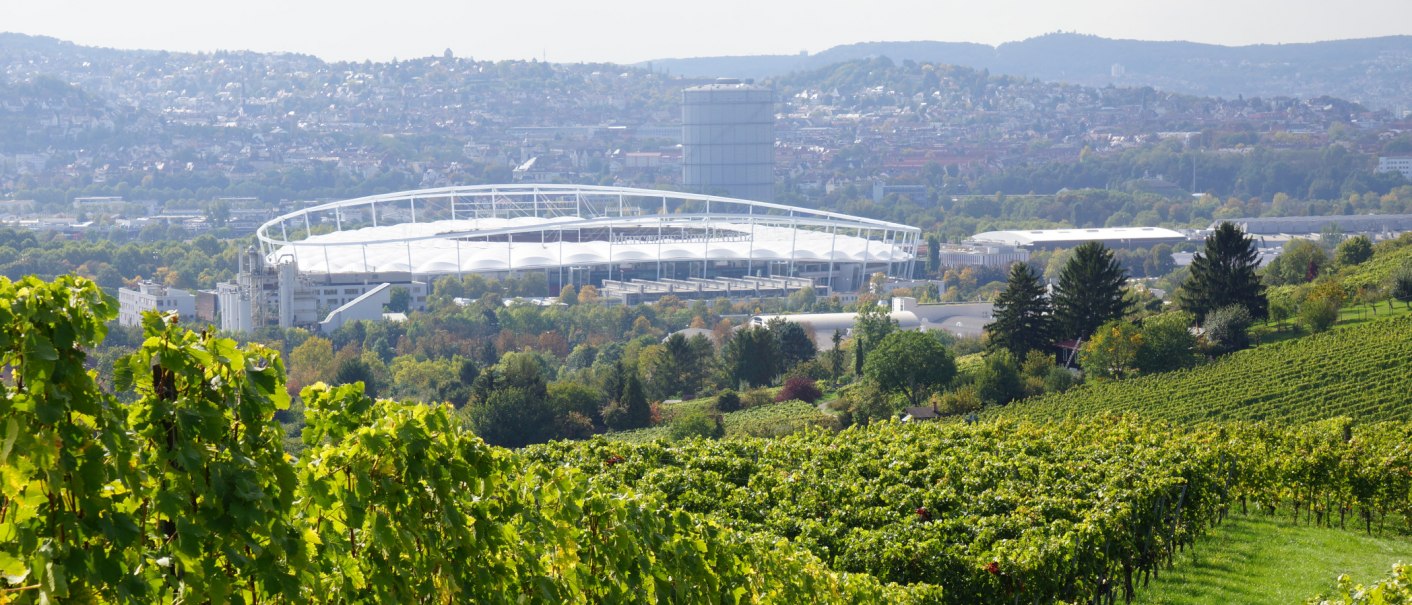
{"x": 728, "y": 140}
{"x": 152, "y": 296}
{"x": 640, "y": 291}
{"x": 966, "y": 320}
{"x": 267, "y": 293}
{"x": 1050, "y": 239}
{"x": 313, "y": 263}
{"x": 994, "y": 255}
{"x": 1370, "y": 224}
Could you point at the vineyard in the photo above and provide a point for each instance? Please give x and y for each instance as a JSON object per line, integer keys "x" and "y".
{"x": 1364, "y": 372}
{"x": 760, "y": 421}
{"x": 1377, "y": 270}
{"x": 1010, "y": 511}
{"x": 186, "y": 494}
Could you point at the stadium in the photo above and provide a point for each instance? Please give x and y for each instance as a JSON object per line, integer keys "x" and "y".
{"x": 579, "y": 234}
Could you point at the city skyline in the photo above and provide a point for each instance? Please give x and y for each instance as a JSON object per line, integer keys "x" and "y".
{"x": 630, "y": 31}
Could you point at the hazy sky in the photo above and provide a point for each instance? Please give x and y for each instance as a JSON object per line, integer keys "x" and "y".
{"x": 627, "y": 31}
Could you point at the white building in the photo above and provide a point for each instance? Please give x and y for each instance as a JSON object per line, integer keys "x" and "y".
{"x": 966, "y": 320}
{"x": 150, "y": 296}
{"x": 312, "y": 262}
{"x": 1048, "y": 239}
{"x": 981, "y": 256}
{"x": 262, "y": 295}
{"x": 1401, "y": 164}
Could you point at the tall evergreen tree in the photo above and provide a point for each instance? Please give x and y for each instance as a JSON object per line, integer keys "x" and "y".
{"x": 630, "y": 412}
{"x": 1090, "y": 291}
{"x": 512, "y": 417}
{"x": 796, "y": 345}
{"x": 635, "y": 402}
{"x": 753, "y": 356}
{"x": 1224, "y": 274}
{"x": 1024, "y": 319}
{"x": 836, "y": 355}
{"x": 933, "y": 254}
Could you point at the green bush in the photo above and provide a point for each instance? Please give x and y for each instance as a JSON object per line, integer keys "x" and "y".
{"x": 725, "y": 402}
{"x": 1318, "y": 314}
{"x": 698, "y": 423}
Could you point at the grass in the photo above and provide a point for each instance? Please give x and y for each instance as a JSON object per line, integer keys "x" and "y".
{"x": 1257, "y": 559}
{"x": 1269, "y": 333}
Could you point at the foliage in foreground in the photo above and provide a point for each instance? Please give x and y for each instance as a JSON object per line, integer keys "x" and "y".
{"x": 1363, "y": 371}
{"x": 187, "y": 495}
{"x": 1395, "y": 589}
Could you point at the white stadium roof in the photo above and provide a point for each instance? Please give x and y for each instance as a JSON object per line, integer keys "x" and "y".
{"x": 498, "y": 228}
{"x": 416, "y": 247}
{"x": 1054, "y": 237}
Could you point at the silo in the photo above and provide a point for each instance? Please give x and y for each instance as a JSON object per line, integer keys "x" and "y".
{"x": 728, "y": 140}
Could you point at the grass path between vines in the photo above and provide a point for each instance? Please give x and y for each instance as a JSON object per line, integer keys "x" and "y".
{"x": 1268, "y": 333}
{"x": 1256, "y": 559}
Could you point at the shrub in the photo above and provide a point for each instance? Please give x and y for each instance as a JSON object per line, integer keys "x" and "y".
{"x": 1059, "y": 380}
{"x": 727, "y": 401}
{"x": 755, "y": 398}
{"x": 998, "y": 379}
{"x": 801, "y": 388}
{"x": 1226, "y": 329}
{"x": 698, "y": 423}
{"x": 960, "y": 401}
{"x": 1318, "y": 314}
{"x": 865, "y": 402}
{"x": 813, "y": 368}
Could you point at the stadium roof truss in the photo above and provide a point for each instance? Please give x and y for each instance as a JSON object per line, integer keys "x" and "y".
{"x": 503, "y": 228}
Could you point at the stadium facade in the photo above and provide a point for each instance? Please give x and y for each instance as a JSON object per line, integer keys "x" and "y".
{"x": 314, "y": 262}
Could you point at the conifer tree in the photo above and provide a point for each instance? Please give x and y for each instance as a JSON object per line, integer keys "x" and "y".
{"x": 1224, "y": 274}
{"x": 1023, "y": 316}
{"x": 753, "y": 356}
{"x": 630, "y": 412}
{"x": 1090, "y": 291}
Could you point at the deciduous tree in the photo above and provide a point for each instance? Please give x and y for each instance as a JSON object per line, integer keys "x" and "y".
{"x": 914, "y": 364}
{"x": 1112, "y": 351}
{"x": 1400, "y": 285}
{"x": 1167, "y": 343}
{"x": 1226, "y": 329}
{"x": 1354, "y": 250}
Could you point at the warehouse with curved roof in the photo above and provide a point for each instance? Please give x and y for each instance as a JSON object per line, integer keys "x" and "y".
{"x": 1113, "y": 237}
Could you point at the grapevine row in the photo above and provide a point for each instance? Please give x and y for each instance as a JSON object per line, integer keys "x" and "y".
{"x": 186, "y": 495}
{"x": 1364, "y": 372}
{"x": 996, "y": 512}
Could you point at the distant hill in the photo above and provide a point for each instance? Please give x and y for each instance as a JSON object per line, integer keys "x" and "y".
{"x": 1376, "y": 72}
{"x": 47, "y": 112}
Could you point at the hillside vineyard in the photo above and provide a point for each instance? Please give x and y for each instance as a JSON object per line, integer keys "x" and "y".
{"x": 1363, "y": 372}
